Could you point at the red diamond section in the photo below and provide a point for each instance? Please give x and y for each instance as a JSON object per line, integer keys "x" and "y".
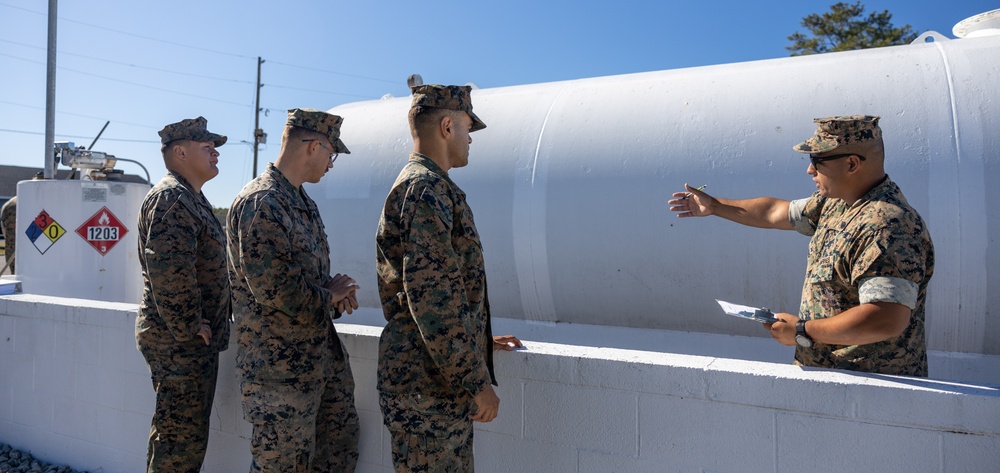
{"x": 103, "y": 231}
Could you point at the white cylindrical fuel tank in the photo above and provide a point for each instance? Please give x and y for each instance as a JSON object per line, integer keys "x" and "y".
{"x": 570, "y": 180}
{"x": 78, "y": 239}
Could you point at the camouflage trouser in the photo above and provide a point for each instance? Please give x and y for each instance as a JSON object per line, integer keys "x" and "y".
{"x": 185, "y": 389}
{"x": 428, "y": 434}
{"x": 303, "y": 427}
{"x": 426, "y": 453}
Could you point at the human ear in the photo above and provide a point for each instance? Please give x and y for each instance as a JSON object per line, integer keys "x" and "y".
{"x": 446, "y": 124}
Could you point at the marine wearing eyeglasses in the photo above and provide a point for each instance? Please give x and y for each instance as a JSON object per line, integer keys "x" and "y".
{"x": 297, "y": 386}
{"x": 870, "y": 254}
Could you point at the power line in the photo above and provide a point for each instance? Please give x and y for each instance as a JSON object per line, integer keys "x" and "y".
{"x": 318, "y": 91}
{"x": 396, "y": 82}
{"x": 79, "y": 115}
{"x": 24, "y": 132}
{"x": 326, "y": 71}
{"x": 131, "y": 34}
{"x": 133, "y": 83}
{"x": 132, "y": 65}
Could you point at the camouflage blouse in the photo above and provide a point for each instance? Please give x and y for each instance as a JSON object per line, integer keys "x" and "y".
{"x": 876, "y": 250}
{"x": 432, "y": 283}
{"x": 182, "y": 252}
{"x": 279, "y": 261}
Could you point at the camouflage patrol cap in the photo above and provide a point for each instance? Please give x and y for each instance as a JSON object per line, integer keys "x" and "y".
{"x": 452, "y": 97}
{"x": 194, "y": 129}
{"x": 840, "y": 131}
{"x": 320, "y": 122}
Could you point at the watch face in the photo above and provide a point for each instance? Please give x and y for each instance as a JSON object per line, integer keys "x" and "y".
{"x": 803, "y": 341}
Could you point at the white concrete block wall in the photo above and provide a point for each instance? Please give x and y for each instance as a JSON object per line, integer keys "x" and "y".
{"x": 74, "y": 390}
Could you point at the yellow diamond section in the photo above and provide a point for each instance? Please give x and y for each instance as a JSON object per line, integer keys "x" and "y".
{"x": 54, "y": 231}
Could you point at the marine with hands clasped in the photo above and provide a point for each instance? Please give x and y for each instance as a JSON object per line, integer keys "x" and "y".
{"x": 298, "y": 391}
{"x": 435, "y": 368}
{"x": 870, "y": 254}
{"x": 183, "y": 320}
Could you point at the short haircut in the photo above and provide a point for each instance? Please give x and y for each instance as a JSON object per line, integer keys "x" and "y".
{"x": 168, "y": 148}
{"x": 423, "y": 119}
{"x": 295, "y": 133}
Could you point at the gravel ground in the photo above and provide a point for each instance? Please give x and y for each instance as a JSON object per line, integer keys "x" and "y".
{"x": 16, "y": 461}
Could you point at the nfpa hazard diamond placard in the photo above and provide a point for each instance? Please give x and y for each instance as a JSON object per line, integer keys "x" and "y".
{"x": 103, "y": 231}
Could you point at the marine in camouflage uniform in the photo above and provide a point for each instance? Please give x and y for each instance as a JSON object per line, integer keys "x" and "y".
{"x": 8, "y": 219}
{"x": 875, "y": 250}
{"x": 183, "y": 320}
{"x": 436, "y": 350}
{"x": 298, "y": 391}
{"x": 870, "y": 256}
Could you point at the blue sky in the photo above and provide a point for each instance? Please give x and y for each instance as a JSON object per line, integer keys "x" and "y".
{"x": 144, "y": 64}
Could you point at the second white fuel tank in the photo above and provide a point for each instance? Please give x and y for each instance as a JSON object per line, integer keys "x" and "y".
{"x": 570, "y": 180}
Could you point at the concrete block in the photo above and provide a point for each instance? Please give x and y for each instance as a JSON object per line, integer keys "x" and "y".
{"x": 118, "y": 351}
{"x": 365, "y": 467}
{"x": 20, "y": 436}
{"x": 841, "y": 445}
{"x": 57, "y": 313}
{"x": 84, "y": 340}
{"x": 359, "y": 340}
{"x": 510, "y": 418}
{"x": 6, "y": 402}
{"x": 689, "y": 434}
{"x": 108, "y": 314}
{"x": 501, "y": 453}
{"x": 227, "y": 452}
{"x": 139, "y": 395}
{"x": 965, "y": 367}
{"x": 76, "y": 419}
{"x": 58, "y": 450}
{"x": 54, "y": 374}
{"x": 676, "y": 375}
{"x": 126, "y": 431}
{"x": 243, "y": 427}
{"x": 16, "y": 369}
{"x": 31, "y": 408}
{"x": 7, "y": 334}
{"x": 365, "y": 383}
{"x": 595, "y": 462}
{"x": 100, "y": 385}
{"x": 588, "y": 418}
{"x": 33, "y": 336}
{"x": 227, "y": 409}
{"x": 951, "y": 406}
{"x": 965, "y": 453}
{"x": 372, "y": 430}
{"x": 96, "y": 456}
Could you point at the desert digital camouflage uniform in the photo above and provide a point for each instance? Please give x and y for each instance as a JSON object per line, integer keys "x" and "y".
{"x": 182, "y": 252}
{"x": 8, "y": 217}
{"x": 297, "y": 386}
{"x": 876, "y": 250}
{"x": 435, "y": 352}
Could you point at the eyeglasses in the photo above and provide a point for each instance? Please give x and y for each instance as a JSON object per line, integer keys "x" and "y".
{"x": 333, "y": 157}
{"x": 815, "y": 160}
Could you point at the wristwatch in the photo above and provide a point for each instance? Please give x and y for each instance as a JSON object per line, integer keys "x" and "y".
{"x": 801, "y": 337}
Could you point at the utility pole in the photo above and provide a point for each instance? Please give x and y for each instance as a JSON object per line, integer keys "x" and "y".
{"x": 258, "y": 135}
{"x": 50, "y": 94}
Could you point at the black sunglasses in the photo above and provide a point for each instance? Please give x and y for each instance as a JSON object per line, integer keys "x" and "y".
{"x": 815, "y": 160}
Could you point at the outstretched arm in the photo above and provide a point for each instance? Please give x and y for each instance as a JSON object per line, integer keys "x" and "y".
{"x": 762, "y": 212}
